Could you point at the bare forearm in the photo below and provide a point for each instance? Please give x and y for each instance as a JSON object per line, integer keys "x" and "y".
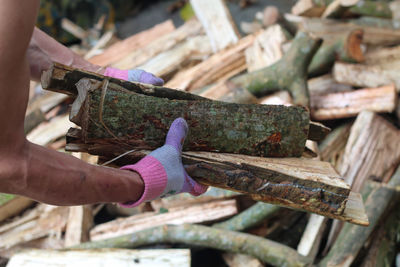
{"x": 43, "y": 50}
{"x": 59, "y": 179}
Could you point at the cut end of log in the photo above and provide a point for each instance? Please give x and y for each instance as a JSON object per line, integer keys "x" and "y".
{"x": 354, "y": 41}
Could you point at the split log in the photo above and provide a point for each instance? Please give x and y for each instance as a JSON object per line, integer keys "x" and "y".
{"x": 217, "y": 22}
{"x": 33, "y": 119}
{"x": 11, "y": 205}
{"x": 80, "y": 221}
{"x": 121, "y": 49}
{"x": 326, "y": 84}
{"x": 373, "y": 149}
{"x": 384, "y": 57}
{"x": 347, "y": 8}
{"x": 102, "y": 257}
{"x": 349, "y": 104}
{"x": 166, "y": 63}
{"x": 365, "y": 76}
{"x": 267, "y": 48}
{"x": 249, "y": 218}
{"x": 211, "y": 133}
{"x": 51, "y": 220}
{"x": 352, "y": 238}
{"x": 220, "y": 66}
{"x": 289, "y": 73}
{"x": 334, "y": 144}
{"x": 265, "y": 250}
{"x": 377, "y": 32}
{"x": 166, "y": 42}
{"x": 201, "y": 213}
{"x": 346, "y": 48}
{"x": 312, "y": 236}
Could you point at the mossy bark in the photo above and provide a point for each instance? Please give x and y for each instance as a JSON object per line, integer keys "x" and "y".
{"x": 265, "y": 250}
{"x": 372, "y": 9}
{"x": 347, "y": 49}
{"x": 289, "y": 73}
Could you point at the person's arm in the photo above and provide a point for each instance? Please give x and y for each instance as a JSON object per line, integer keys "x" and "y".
{"x": 30, "y": 170}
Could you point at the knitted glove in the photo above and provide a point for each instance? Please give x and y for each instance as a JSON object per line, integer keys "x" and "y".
{"x": 135, "y": 75}
{"x": 162, "y": 171}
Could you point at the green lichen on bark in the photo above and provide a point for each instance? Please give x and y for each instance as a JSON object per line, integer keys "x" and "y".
{"x": 265, "y": 250}
{"x": 289, "y": 73}
{"x": 142, "y": 122}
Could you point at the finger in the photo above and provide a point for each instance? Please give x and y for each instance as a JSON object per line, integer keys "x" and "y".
{"x": 192, "y": 187}
{"x": 138, "y": 75}
{"x": 177, "y": 134}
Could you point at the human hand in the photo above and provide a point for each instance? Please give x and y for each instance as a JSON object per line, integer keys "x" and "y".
{"x": 134, "y": 75}
{"x": 162, "y": 171}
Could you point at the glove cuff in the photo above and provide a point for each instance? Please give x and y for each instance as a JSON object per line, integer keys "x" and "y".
{"x": 154, "y": 177}
{"x": 117, "y": 73}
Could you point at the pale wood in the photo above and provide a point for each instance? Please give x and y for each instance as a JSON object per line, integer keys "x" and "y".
{"x": 211, "y": 69}
{"x": 140, "y": 56}
{"x": 332, "y": 28}
{"x": 45, "y": 101}
{"x": 361, "y": 75}
{"x": 11, "y": 205}
{"x": 308, "y": 8}
{"x": 121, "y": 49}
{"x": 103, "y": 41}
{"x": 217, "y": 22}
{"x": 278, "y": 98}
{"x": 349, "y": 104}
{"x": 80, "y": 221}
{"x": 73, "y": 29}
{"x": 337, "y": 6}
{"x": 170, "y": 61}
{"x": 333, "y": 145}
{"x": 50, "y": 131}
{"x": 51, "y": 220}
{"x": 326, "y": 84}
{"x": 194, "y": 214}
{"x": 312, "y": 235}
{"x": 102, "y": 257}
{"x": 384, "y": 57}
{"x": 373, "y": 148}
{"x": 267, "y": 48}
{"x": 239, "y": 260}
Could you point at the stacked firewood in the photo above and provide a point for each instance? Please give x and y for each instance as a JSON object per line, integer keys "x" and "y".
{"x": 339, "y": 59}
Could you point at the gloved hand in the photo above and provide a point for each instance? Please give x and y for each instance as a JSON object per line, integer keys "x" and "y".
{"x": 162, "y": 171}
{"x": 135, "y": 75}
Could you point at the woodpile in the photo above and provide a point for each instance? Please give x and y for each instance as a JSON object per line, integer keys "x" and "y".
{"x": 285, "y": 190}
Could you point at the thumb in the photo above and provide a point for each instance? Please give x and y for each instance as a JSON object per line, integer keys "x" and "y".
{"x": 193, "y": 187}
{"x": 177, "y": 134}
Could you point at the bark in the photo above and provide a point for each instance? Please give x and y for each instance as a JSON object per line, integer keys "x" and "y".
{"x": 378, "y": 9}
{"x": 346, "y": 48}
{"x": 352, "y": 238}
{"x": 267, "y": 251}
{"x": 289, "y": 73}
{"x": 249, "y": 218}
{"x": 214, "y": 126}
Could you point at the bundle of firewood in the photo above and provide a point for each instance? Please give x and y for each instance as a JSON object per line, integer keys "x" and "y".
{"x": 254, "y": 104}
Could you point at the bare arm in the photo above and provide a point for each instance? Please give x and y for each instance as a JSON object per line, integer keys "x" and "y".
{"x": 43, "y": 50}
{"x": 31, "y": 170}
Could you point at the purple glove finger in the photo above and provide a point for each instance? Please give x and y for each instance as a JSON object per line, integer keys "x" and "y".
{"x": 138, "y": 75}
{"x": 192, "y": 187}
{"x": 177, "y": 134}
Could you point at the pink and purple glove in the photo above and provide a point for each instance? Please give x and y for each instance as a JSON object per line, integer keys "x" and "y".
{"x": 162, "y": 171}
{"x": 135, "y": 75}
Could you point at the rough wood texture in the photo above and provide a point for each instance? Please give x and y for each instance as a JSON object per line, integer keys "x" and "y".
{"x": 222, "y": 65}
{"x": 267, "y": 48}
{"x": 159, "y": 45}
{"x": 311, "y": 238}
{"x": 80, "y": 220}
{"x": 201, "y": 213}
{"x": 289, "y": 73}
{"x": 217, "y": 22}
{"x": 386, "y": 33}
{"x": 352, "y": 238}
{"x": 347, "y": 48}
{"x": 310, "y": 8}
{"x": 265, "y": 250}
{"x": 349, "y": 104}
{"x": 325, "y": 84}
{"x": 373, "y": 149}
{"x": 121, "y": 49}
{"x": 256, "y": 135}
{"x": 334, "y": 143}
{"x": 365, "y": 75}
{"x": 102, "y": 257}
